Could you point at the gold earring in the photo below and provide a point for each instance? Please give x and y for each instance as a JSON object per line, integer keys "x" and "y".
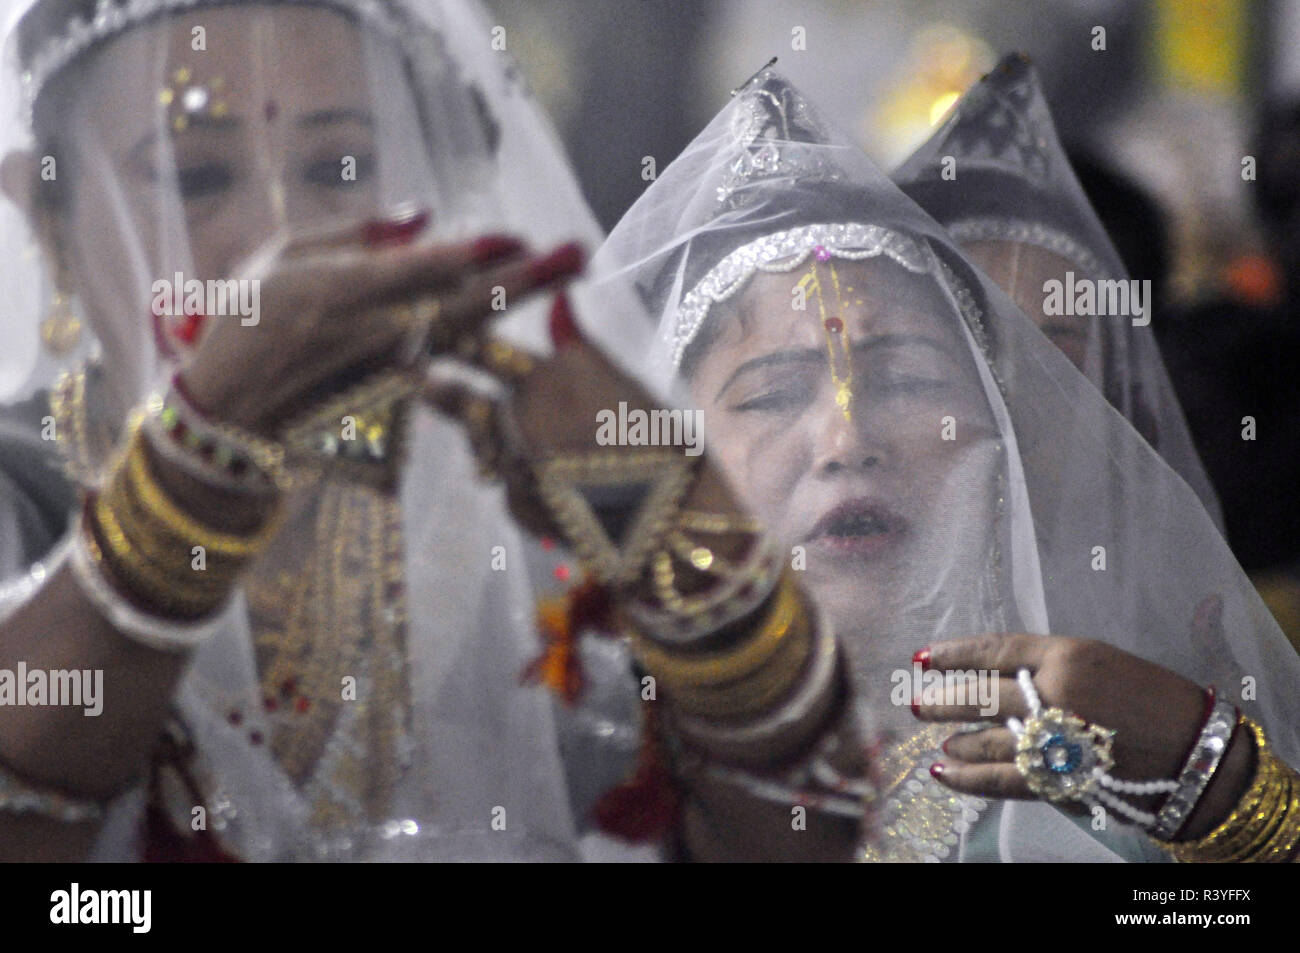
{"x": 61, "y": 329}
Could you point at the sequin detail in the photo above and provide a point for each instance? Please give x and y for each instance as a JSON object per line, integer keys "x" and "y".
{"x": 785, "y": 251}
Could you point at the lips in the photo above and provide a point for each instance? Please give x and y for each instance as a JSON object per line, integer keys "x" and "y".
{"x": 861, "y": 528}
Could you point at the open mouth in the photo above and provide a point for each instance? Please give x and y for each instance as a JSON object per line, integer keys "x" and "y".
{"x": 858, "y": 527}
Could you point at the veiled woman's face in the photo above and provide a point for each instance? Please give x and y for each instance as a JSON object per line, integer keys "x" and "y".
{"x": 199, "y": 156}
{"x": 833, "y": 422}
{"x": 1020, "y": 270}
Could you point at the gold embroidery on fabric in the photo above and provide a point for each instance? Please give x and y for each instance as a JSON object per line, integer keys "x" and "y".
{"x": 919, "y": 819}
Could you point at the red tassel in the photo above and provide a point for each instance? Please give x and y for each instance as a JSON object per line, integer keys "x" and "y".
{"x": 647, "y": 805}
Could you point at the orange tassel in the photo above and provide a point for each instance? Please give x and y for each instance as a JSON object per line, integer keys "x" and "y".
{"x": 561, "y": 619}
{"x": 558, "y": 667}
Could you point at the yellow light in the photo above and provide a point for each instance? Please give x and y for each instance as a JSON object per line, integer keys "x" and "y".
{"x": 701, "y": 558}
{"x": 939, "y": 108}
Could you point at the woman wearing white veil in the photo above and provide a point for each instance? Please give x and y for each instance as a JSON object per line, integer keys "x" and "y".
{"x": 895, "y": 420}
{"x": 357, "y": 695}
{"x": 230, "y": 196}
{"x": 995, "y": 175}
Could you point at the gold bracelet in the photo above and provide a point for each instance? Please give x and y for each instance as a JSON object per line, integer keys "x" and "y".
{"x": 758, "y": 691}
{"x": 1287, "y": 839}
{"x": 1264, "y": 825}
{"x": 130, "y": 516}
{"x": 180, "y": 524}
{"x": 718, "y": 668}
{"x": 166, "y": 552}
{"x": 134, "y": 573}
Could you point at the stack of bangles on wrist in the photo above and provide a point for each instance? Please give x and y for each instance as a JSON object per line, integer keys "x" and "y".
{"x": 1064, "y": 759}
{"x": 751, "y": 671}
{"x": 1264, "y": 827}
{"x": 155, "y": 571}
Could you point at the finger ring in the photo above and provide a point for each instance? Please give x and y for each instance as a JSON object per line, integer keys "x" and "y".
{"x": 1063, "y": 758}
{"x": 420, "y": 317}
{"x": 506, "y": 360}
{"x": 1059, "y": 754}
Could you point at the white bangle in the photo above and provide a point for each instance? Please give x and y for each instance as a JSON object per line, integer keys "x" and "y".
{"x": 155, "y": 631}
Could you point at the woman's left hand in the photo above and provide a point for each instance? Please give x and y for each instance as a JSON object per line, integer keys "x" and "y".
{"x": 1156, "y": 714}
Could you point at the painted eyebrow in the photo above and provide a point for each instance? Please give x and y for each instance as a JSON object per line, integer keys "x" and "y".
{"x": 818, "y": 355}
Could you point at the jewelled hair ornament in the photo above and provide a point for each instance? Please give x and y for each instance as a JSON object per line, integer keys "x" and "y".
{"x": 1063, "y": 758}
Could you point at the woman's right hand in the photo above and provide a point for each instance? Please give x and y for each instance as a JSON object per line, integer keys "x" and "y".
{"x": 326, "y": 315}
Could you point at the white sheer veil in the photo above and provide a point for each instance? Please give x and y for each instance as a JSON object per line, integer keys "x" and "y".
{"x": 995, "y": 171}
{"x": 1057, "y": 517}
{"x": 456, "y": 131}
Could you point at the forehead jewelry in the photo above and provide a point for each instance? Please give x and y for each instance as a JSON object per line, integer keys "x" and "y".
{"x": 839, "y": 349}
{"x": 187, "y": 98}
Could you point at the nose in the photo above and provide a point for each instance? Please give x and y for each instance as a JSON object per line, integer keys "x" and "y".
{"x": 845, "y": 443}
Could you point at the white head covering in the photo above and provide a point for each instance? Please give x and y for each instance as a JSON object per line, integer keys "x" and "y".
{"x": 1050, "y": 515}
{"x": 472, "y": 767}
{"x": 995, "y": 170}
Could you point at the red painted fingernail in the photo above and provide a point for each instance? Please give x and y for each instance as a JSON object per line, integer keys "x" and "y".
{"x": 936, "y": 769}
{"x": 565, "y": 261}
{"x": 916, "y": 707}
{"x": 191, "y": 327}
{"x": 564, "y": 329}
{"x": 394, "y": 231}
{"x": 922, "y": 658}
{"x": 493, "y": 248}
{"x": 944, "y": 746}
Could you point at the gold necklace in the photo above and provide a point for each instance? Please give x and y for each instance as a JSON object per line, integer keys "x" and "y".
{"x": 344, "y": 618}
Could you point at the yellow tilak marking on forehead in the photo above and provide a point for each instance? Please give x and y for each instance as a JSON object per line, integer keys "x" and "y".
{"x": 841, "y": 356}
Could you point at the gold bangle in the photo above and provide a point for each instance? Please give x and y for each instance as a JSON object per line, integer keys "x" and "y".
{"x": 721, "y": 667}
{"x": 1261, "y": 825}
{"x": 179, "y": 523}
{"x": 755, "y": 693}
{"x": 169, "y": 554}
{"x": 127, "y": 565}
{"x": 1284, "y": 844}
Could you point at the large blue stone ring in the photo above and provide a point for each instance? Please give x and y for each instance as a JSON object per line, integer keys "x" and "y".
{"x": 1059, "y": 755}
